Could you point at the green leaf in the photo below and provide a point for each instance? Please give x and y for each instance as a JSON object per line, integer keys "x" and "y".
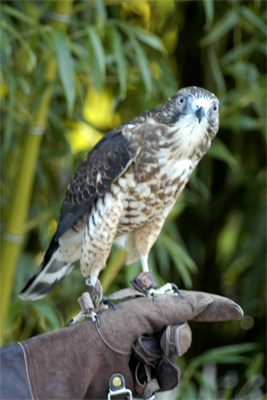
{"x": 10, "y": 112}
{"x": 244, "y": 122}
{"x": 244, "y": 50}
{"x": 188, "y": 389}
{"x": 79, "y": 51}
{"x": 14, "y": 12}
{"x": 209, "y": 11}
{"x": 219, "y": 151}
{"x": 224, "y": 25}
{"x": 224, "y": 355}
{"x": 216, "y": 69}
{"x": 48, "y": 313}
{"x": 101, "y": 11}
{"x": 180, "y": 257}
{"x": 31, "y": 62}
{"x": 163, "y": 257}
{"x": 149, "y": 39}
{"x": 117, "y": 48}
{"x": 243, "y": 71}
{"x": 144, "y": 36}
{"x": 143, "y": 63}
{"x": 254, "y": 19}
{"x": 65, "y": 64}
{"x": 262, "y": 47}
{"x": 6, "y": 47}
{"x": 255, "y": 366}
{"x": 97, "y": 57}
{"x": 207, "y": 390}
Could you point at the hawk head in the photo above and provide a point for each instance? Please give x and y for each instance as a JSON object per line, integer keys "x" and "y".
{"x": 191, "y": 117}
{"x": 192, "y": 108}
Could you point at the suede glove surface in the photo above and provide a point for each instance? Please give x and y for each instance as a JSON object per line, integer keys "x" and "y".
{"x": 141, "y": 340}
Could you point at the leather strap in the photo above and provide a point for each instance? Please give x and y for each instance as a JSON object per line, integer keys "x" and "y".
{"x": 144, "y": 281}
{"x": 150, "y": 385}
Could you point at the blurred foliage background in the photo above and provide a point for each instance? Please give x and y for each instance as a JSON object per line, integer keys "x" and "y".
{"x": 71, "y": 71}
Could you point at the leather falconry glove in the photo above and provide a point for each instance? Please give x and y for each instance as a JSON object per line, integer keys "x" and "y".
{"x": 139, "y": 342}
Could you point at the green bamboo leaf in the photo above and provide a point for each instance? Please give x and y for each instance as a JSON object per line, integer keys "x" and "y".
{"x": 144, "y": 36}
{"x": 97, "y": 57}
{"x": 188, "y": 389}
{"x": 24, "y": 85}
{"x": 183, "y": 272}
{"x": 242, "y": 121}
{"x": 262, "y": 47}
{"x": 199, "y": 188}
{"x": 78, "y": 50}
{"x": 224, "y": 355}
{"x": 31, "y": 62}
{"x": 189, "y": 262}
{"x": 101, "y": 11}
{"x": 207, "y": 391}
{"x": 181, "y": 259}
{"x": 98, "y": 49}
{"x": 149, "y": 38}
{"x": 14, "y": 12}
{"x": 209, "y": 11}
{"x": 219, "y": 151}
{"x": 224, "y": 25}
{"x": 244, "y": 50}
{"x": 216, "y": 69}
{"x": 117, "y": 48}
{"x": 256, "y": 365}
{"x": 163, "y": 257}
{"x": 10, "y": 112}
{"x": 65, "y": 64}
{"x": 143, "y": 63}
{"x": 6, "y": 48}
{"x": 243, "y": 70}
{"x": 254, "y": 19}
{"x": 48, "y": 313}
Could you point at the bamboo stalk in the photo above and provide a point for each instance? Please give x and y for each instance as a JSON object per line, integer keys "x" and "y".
{"x": 13, "y": 236}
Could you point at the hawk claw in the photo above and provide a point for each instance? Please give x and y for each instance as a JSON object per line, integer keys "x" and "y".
{"x": 92, "y": 315}
{"x": 167, "y": 289}
{"x": 176, "y": 290}
{"x": 110, "y": 303}
{"x": 145, "y": 283}
{"x": 70, "y": 322}
{"x": 97, "y": 320}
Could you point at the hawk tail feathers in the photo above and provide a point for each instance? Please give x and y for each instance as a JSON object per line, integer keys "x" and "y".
{"x": 48, "y": 275}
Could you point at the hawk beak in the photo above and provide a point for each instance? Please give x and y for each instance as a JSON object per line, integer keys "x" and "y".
{"x": 199, "y": 113}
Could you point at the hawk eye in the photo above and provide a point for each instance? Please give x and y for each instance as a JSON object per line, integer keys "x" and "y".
{"x": 215, "y": 107}
{"x": 180, "y": 100}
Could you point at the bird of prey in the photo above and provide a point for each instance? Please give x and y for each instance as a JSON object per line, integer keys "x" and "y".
{"x": 124, "y": 189}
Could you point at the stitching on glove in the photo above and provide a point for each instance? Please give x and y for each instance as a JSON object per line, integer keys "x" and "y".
{"x": 27, "y": 370}
{"x": 148, "y": 350}
{"x": 33, "y": 369}
{"x": 110, "y": 346}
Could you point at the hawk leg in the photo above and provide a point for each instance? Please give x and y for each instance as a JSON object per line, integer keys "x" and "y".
{"x": 143, "y": 239}
{"x": 90, "y": 302}
{"x": 99, "y": 234}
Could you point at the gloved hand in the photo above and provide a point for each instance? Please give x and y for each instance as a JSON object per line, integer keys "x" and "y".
{"x": 141, "y": 340}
